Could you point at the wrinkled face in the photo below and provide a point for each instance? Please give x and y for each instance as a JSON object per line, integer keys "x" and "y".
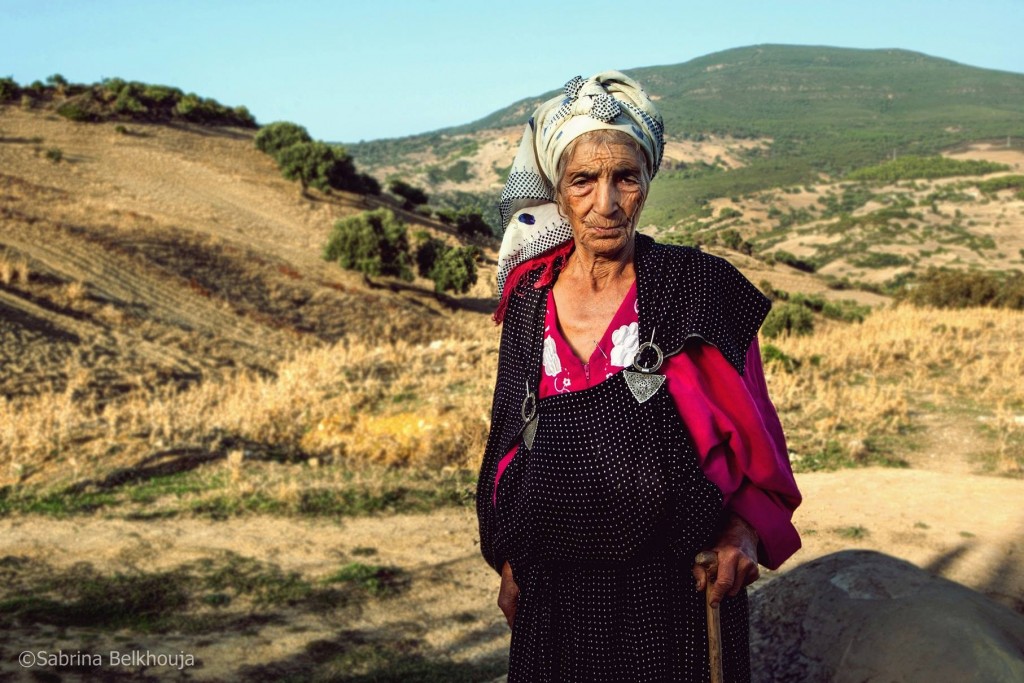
{"x": 601, "y": 193}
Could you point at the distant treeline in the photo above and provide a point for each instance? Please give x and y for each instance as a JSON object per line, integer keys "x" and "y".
{"x": 114, "y": 99}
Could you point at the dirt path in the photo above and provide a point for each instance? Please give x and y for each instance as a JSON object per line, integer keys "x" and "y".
{"x": 966, "y": 528}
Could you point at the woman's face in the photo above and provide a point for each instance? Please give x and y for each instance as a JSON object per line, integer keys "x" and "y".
{"x": 601, "y": 194}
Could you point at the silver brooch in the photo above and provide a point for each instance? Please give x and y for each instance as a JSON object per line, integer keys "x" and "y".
{"x": 642, "y": 381}
{"x": 529, "y": 414}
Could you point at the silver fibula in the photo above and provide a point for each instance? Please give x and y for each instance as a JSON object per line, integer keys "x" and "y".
{"x": 643, "y": 382}
{"x": 529, "y": 414}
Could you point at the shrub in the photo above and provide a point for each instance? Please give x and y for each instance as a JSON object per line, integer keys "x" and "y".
{"x": 278, "y": 136}
{"x": 794, "y": 262}
{"x": 876, "y": 259}
{"x": 788, "y": 318}
{"x": 54, "y": 154}
{"x": 469, "y": 223}
{"x": 427, "y": 252}
{"x": 8, "y": 89}
{"x": 455, "y": 270}
{"x": 127, "y": 103}
{"x": 773, "y": 354}
{"x": 372, "y": 243}
{"x": 412, "y": 196}
{"x": 317, "y": 164}
{"x": 76, "y": 112}
{"x": 961, "y": 289}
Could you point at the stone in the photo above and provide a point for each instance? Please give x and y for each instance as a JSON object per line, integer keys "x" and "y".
{"x": 866, "y": 617}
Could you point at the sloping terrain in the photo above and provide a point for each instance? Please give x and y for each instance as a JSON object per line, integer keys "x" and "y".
{"x": 167, "y": 252}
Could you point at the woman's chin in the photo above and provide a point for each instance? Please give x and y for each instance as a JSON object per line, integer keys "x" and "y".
{"x": 604, "y": 241}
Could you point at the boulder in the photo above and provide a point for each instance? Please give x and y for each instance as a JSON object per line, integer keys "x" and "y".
{"x": 865, "y": 617}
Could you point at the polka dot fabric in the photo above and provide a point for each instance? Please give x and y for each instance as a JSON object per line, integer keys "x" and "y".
{"x": 601, "y": 519}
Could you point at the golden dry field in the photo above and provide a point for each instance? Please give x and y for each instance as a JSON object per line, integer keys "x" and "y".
{"x": 213, "y": 442}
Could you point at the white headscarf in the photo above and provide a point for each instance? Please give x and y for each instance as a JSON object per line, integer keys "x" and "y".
{"x": 608, "y": 101}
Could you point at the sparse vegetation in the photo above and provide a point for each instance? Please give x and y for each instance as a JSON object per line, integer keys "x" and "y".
{"x": 55, "y": 154}
{"x": 120, "y": 100}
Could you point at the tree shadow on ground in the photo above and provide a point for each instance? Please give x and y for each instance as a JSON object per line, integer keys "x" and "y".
{"x": 213, "y": 601}
{"x": 371, "y": 657}
{"x": 1002, "y": 582}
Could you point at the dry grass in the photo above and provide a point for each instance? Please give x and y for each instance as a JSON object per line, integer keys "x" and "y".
{"x": 390, "y": 404}
{"x": 13, "y": 269}
{"x": 858, "y": 387}
{"x": 853, "y": 397}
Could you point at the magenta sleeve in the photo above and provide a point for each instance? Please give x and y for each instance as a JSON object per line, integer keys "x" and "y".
{"x": 739, "y": 442}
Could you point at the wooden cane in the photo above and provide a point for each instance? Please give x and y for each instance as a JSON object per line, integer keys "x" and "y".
{"x": 709, "y": 561}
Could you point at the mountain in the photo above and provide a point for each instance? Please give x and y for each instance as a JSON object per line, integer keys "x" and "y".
{"x": 785, "y": 113}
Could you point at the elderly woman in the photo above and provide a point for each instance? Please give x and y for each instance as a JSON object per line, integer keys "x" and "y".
{"x": 631, "y": 426}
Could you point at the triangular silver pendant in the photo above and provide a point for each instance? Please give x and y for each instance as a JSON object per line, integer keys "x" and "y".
{"x": 642, "y": 385}
{"x": 529, "y": 432}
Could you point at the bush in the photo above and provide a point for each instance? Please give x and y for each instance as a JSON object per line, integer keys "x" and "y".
{"x": 317, "y": 164}
{"x": 455, "y": 270}
{"x": 788, "y": 318}
{"x": 412, "y": 195}
{"x": 469, "y": 223}
{"x": 372, "y": 243}
{"x": 9, "y": 89}
{"x": 127, "y": 103}
{"x": 877, "y": 259}
{"x": 794, "y": 262}
{"x": 54, "y": 154}
{"x": 960, "y": 289}
{"x": 76, "y": 112}
{"x": 427, "y": 252}
{"x": 278, "y": 136}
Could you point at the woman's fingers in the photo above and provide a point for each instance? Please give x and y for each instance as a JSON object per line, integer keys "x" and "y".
{"x": 508, "y": 595}
{"x": 700, "y": 574}
{"x": 735, "y": 570}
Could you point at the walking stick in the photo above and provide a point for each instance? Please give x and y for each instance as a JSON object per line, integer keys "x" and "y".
{"x": 709, "y": 560}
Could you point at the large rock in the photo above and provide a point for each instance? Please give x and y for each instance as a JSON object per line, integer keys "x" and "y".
{"x": 864, "y": 617}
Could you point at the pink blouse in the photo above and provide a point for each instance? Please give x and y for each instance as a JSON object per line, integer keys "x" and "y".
{"x": 734, "y": 426}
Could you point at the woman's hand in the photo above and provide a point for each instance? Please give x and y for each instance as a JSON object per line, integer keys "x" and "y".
{"x": 737, "y": 560}
{"x": 508, "y": 594}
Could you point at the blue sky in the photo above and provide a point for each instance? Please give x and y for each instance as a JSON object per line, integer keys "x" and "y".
{"x": 350, "y": 71}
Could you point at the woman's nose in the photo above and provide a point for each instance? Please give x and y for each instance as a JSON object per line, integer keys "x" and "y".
{"x": 606, "y": 200}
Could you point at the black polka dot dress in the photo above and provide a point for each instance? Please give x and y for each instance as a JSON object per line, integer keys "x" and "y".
{"x": 604, "y": 506}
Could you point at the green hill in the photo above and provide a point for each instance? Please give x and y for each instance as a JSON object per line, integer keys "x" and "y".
{"x": 826, "y": 110}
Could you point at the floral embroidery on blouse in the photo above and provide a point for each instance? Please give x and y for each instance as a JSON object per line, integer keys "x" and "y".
{"x": 552, "y": 365}
{"x": 626, "y": 341}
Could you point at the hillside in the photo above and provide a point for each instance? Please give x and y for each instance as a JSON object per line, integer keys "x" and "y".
{"x": 213, "y": 442}
{"x": 164, "y": 257}
{"x": 751, "y": 118}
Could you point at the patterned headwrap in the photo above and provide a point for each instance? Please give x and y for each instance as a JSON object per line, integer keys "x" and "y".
{"x": 610, "y": 101}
